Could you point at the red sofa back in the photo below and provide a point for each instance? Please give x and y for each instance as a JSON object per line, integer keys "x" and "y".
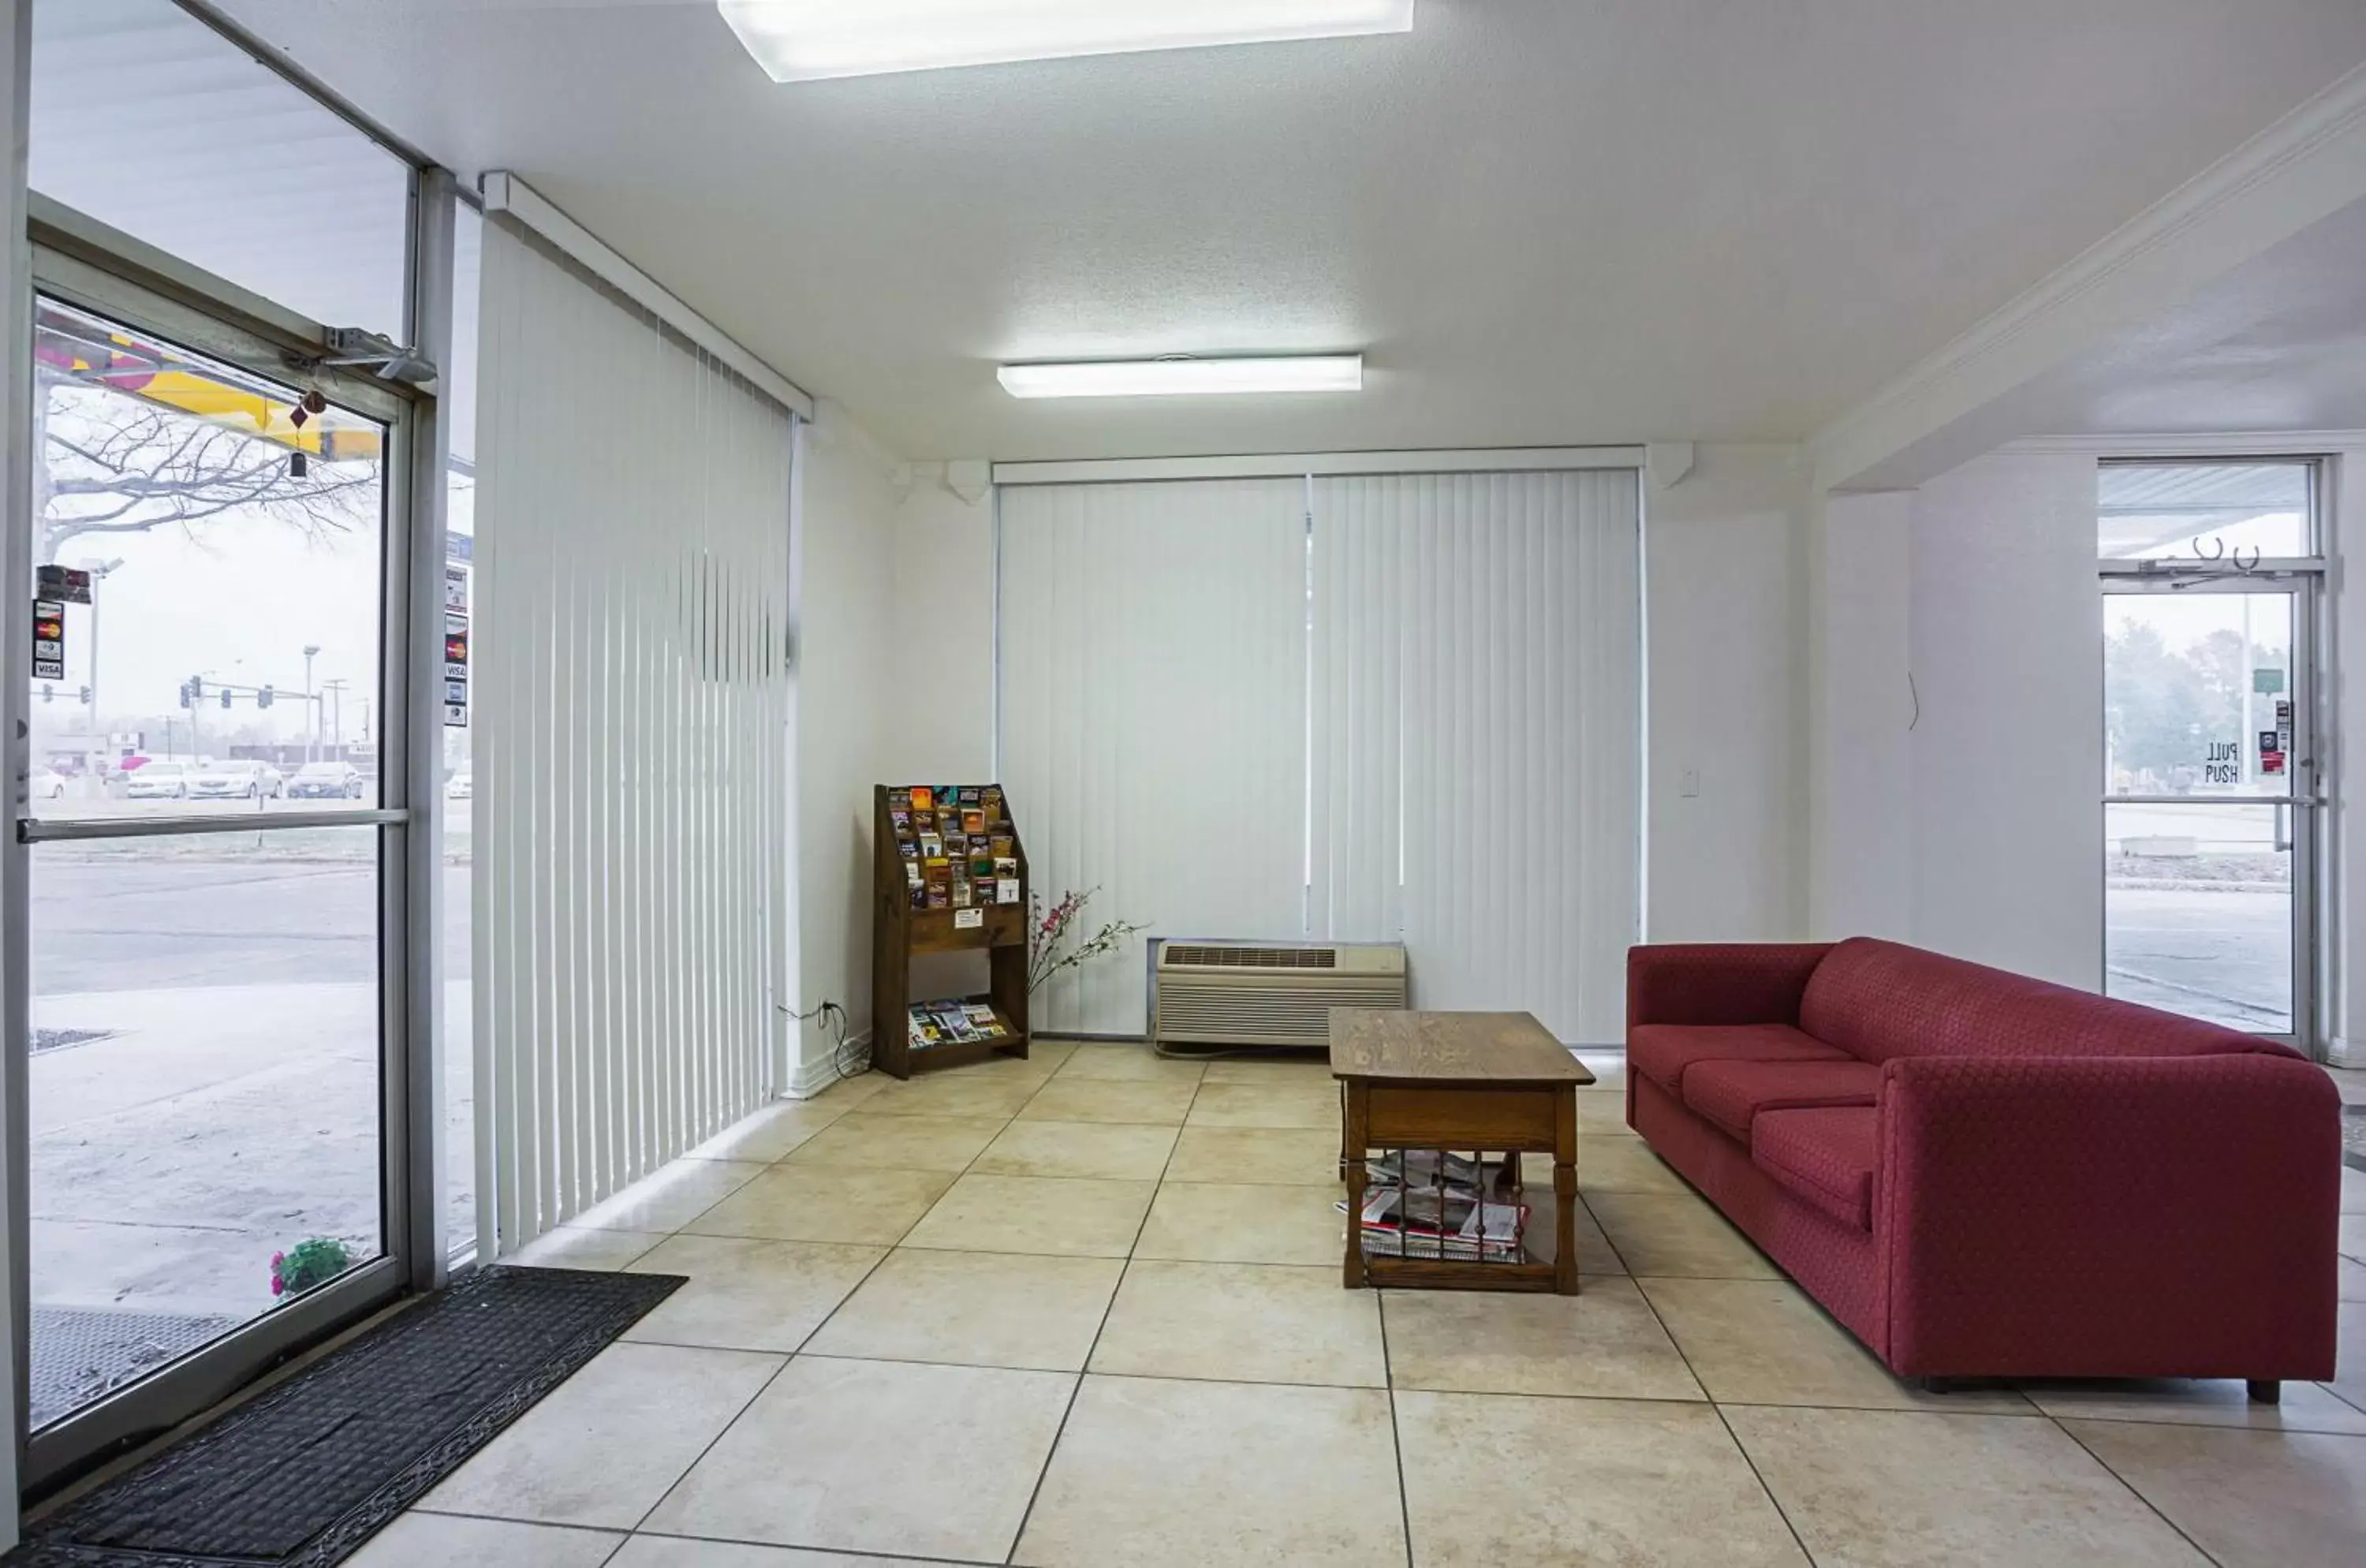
{"x": 1877, "y": 999}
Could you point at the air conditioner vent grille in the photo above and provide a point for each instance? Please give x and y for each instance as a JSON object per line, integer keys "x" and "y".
{"x": 1255, "y": 957}
{"x": 1213, "y": 993}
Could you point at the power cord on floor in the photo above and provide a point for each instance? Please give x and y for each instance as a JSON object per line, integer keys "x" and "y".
{"x": 848, "y": 1058}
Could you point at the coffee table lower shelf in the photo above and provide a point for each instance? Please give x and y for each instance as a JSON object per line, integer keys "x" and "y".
{"x": 1384, "y": 1272}
{"x": 1493, "y": 1119}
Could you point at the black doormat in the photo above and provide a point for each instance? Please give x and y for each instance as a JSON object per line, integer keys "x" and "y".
{"x": 305, "y": 1475}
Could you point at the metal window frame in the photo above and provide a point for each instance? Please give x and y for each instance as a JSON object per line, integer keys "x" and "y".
{"x": 86, "y": 262}
{"x": 2305, "y": 580}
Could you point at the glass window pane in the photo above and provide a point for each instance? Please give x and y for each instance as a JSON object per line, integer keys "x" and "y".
{"x": 150, "y": 121}
{"x": 459, "y": 776}
{"x": 2198, "y": 912}
{"x": 2184, "y": 510}
{"x": 228, "y": 656}
{"x": 2197, "y": 687}
{"x": 203, "y": 1091}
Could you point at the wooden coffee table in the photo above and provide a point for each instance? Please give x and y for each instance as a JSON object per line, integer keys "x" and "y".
{"x": 1495, "y": 1082}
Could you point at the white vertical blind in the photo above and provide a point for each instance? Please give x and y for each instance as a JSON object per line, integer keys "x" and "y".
{"x": 1478, "y": 734}
{"x": 1153, "y": 650}
{"x": 631, "y": 702}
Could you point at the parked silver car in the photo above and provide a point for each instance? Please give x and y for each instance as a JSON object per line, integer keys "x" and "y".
{"x": 326, "y": 781}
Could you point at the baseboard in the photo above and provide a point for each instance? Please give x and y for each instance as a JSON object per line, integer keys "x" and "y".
{"x": 2350, "y": 1054}
{"x": 813, "y": 1077}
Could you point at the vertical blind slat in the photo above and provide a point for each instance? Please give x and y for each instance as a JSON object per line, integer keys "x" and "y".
{"x": 1152, "y": 652}
{"x": 633, "y": 567}
{"x": 1497, "y": 756}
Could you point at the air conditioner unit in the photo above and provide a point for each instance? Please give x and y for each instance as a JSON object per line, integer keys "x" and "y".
{"x": 1243, "y": 993}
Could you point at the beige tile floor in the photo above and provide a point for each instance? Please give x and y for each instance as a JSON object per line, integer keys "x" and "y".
{"x": 1085, "y": 1310}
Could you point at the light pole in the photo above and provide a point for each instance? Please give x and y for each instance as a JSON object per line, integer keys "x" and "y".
{"x": 93, "y": 749}
{"x": 336, "y": 691}
{"x": 312, "y": 704}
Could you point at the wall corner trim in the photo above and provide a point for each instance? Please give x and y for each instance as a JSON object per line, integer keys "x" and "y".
{"x": 820, "y": 1073}
{"x": 1667, "y": 462}
{"x": 969, "y": 479}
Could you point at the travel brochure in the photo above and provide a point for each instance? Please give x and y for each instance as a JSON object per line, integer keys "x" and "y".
{"x": 957, "y": 844}
{"x": 956, "y": 1020}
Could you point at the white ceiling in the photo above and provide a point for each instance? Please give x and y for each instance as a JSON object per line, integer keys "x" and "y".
{"x": 2277, "y": 344}
{"x": 1545, "y": 220}
{"x": 2275, "y": 347}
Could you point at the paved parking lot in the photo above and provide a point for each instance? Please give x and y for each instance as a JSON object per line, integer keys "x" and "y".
{"x": 211, "y": 1095}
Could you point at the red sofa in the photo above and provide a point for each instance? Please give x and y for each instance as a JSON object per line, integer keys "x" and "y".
{"x": 1983, "y": 1175}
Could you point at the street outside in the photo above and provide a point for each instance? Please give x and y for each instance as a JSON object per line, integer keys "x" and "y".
{"x": 204, "y": 1091}
{"x": 2202, "y": 922}
{"x": 2219, "y": 954}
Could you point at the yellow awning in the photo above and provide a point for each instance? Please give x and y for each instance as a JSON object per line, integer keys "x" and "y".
{"x": 67, "y": 342}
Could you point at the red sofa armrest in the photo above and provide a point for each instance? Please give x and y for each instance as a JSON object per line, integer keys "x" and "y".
{"x": 1720, "y": 983}
{"x": 2110, "y": 1216}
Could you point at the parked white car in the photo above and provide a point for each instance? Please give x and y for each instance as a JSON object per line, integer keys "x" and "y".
{"x": 157, "y": 781}
{"x": 237, "y": 778}
{"x": 45, "y": 784}
{"x": 463, "y": 786}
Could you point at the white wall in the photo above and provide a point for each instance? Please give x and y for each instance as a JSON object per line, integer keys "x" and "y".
{"x": 2006, "y": 647}
{"x": 1724, "y": 612}
{"x": 849, "y": 702}
{"x": 1957, "y": 726}
{"x": 944, "y": 645}
{"x": 1861, "y": 776}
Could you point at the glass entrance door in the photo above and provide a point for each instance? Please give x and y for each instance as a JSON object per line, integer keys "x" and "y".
{"x": 2212, "y": 767}
{"x": 209, "y": 1078}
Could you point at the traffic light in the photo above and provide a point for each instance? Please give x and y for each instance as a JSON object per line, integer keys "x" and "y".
{"x": 184, "y": 694}
{"x": 263, "y": 698}
{"x": 47, "y": 694}
{"x": 85, "y": 696}
{"x": 225, "y": 696}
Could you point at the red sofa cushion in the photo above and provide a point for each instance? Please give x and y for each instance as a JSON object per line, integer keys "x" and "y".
{"x": 1662, "y": 1052}
{"x": 1731, "y": 1093}
{"x": 1879, "y": 999}
{"x": 1825, "y": 1156}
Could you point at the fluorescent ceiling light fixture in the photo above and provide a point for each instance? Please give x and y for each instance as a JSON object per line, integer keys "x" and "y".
{"x": 1186, "y": 378}
{"x": 811, "y": 40}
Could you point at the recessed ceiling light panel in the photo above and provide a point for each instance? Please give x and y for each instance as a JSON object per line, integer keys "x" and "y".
{"x": 809, "y": 40}
{"x": 1186, "y": 378}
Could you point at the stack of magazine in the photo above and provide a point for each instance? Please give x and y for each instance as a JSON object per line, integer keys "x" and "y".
{"x": 1435, "y": 1203}
{"x": 953, "y": 1020}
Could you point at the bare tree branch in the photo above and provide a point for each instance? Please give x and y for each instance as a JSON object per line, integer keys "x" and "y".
{"x": 161, "y": 467}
